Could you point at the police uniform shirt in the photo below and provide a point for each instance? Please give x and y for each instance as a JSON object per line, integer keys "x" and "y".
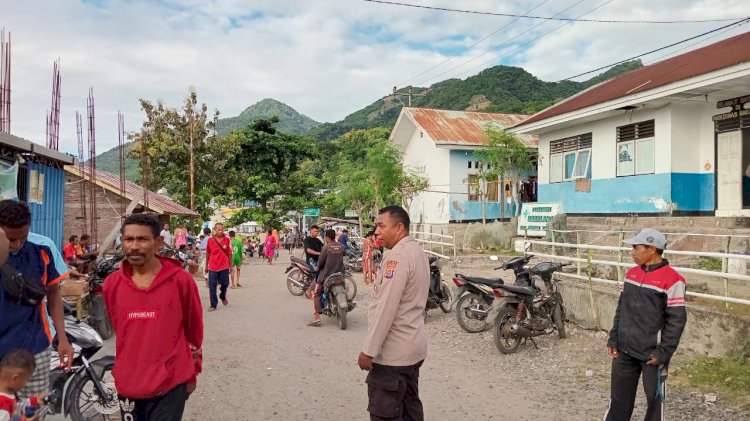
{"x": 396, "y": 335}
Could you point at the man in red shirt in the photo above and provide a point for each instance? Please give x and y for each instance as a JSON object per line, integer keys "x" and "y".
{"x": 156, "y": 313}
{"x": 218, "y": 252}
{"x": 70, "y": 253}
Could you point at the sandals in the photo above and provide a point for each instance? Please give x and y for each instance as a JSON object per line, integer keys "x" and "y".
{"x": 314, "y": 323}
{"x": 210, "y": 309}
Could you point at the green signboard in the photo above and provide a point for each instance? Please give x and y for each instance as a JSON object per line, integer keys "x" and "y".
{"x": 311, "y": 212}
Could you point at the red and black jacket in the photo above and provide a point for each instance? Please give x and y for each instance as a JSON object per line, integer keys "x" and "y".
{"x": 652, "y": 301}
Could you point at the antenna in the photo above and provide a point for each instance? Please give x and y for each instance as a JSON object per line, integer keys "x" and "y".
{"x": 121, "y": 148}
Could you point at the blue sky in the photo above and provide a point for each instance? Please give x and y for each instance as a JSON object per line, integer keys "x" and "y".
{"x": 325, "y": 58}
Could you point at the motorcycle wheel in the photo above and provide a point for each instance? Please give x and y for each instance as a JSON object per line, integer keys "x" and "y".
{"x": 557, "y": 317}
{"x": 505, "y": 341}
{"x": 469, "y": 322}
{"x": 351, "y": 288}
{"x": 447, "y": 301}
{"x": 84, "y": 403}
{"x": 293, "y": 288}
{"x": 103, "y": 325}
{"x": 341, "y": 317}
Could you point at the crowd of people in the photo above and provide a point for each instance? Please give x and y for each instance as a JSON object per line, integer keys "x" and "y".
{"x": 143, "y": 293}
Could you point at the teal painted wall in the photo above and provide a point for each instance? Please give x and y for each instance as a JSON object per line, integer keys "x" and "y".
{"x": 650, "y": 193}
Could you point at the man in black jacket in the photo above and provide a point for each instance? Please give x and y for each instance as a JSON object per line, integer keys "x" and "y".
{"x": 651, "y": 303}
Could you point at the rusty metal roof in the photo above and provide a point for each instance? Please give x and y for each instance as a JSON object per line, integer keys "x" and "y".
{"x": 726, "y": 53}
{"x": 159, "y": 203}
{"x": 447, "y": 127}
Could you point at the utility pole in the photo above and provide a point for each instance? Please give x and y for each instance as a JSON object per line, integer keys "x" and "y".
{"x": 192, "y": 166}
{"x": 409, "y": 94}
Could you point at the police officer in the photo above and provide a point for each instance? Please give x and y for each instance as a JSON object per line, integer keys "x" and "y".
{"x": 396, "y": 343}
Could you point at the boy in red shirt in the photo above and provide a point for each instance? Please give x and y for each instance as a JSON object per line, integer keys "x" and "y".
{"x": 156, "y": 313}
{"x": 16, "y": 368}
{"x": 218, "y": 251}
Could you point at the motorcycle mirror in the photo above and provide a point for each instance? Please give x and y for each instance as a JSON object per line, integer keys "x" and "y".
{"x": 494, "y": 258}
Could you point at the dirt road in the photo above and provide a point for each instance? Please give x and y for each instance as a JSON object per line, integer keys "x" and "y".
{"x": 263, "y": 362}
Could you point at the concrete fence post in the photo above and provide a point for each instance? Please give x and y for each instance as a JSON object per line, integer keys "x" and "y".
{"x": 455, "y": 252}
{"x": 554, "y": 249}
{"x": 578, "y": 253}
{"x": 590, "y": 271}
{"x": 725, "y": 268}
{"x": 619, "y": 258}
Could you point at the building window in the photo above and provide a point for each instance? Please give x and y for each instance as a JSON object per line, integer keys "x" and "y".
{"x": 474, "y": 188}
{"x": 635, "y": 149}
{"x": 469, "y": 164}
{"x": 570, "y": 158}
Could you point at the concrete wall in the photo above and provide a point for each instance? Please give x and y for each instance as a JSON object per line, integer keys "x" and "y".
{"x": 422, "y": 154}
{"x": 707, "y": 332}
{"x": 683, "y": 177}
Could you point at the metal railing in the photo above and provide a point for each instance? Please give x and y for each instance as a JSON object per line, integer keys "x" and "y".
{"x": 428, "y": 244}
{"x": 619, "y": 264}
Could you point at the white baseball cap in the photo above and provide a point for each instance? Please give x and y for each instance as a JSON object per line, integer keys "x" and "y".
{"x": 649, "y": 237}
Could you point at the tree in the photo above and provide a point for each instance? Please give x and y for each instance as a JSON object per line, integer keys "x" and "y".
{"x": 164, "y": 145}
{"x": 269, "y": 164}
{"x": 505, "y": 156}
{"x": 412, "y": 183}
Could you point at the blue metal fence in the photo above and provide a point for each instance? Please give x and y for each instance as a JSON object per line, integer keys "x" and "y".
{"x": 46, "y": 199}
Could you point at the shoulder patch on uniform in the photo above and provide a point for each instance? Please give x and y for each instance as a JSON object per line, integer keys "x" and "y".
{"x": 390, "y": 269}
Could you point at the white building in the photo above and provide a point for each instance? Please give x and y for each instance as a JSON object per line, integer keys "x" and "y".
{"x": 671, "y": 137}
{"x": 440, "y": 144}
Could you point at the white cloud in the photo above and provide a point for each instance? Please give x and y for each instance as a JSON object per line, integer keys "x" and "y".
{"x": 326, "y": 58}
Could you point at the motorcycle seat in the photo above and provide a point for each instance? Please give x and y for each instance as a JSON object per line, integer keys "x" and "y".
{"x": 483, "y": 281}
{"x": 296, "y": 259}
{"x": 518, "y": 290}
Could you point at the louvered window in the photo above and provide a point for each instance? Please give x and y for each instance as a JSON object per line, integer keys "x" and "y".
{"x": 635, "y": 149}
{"x": 570, "y": 158}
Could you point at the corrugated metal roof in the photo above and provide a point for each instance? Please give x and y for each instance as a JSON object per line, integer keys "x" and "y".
{"x": 157, "y": 202}
{"x": 726, "y": 53}
{"x": 464, "y": 127}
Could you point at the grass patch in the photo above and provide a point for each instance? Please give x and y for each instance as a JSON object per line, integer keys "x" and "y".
{"x": 728, "y": 376}
{"x": 709, "y": 263}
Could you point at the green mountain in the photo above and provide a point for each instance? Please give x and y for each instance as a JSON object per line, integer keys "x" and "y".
{"x": 290, "y": 121}
{"x": 497, "y": 89}
{"x": 110, "y": 161}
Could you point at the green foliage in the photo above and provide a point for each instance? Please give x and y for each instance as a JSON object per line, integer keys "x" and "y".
{"x": 110, "y": 161}
{"x": 709, "y": 263}
{"x": 289, "y": 120}
{"x": 164, "y": 140}
{"x": 270, "y": 163}
{"x": 728, "y": 376}
{"x": 505, "y": 155}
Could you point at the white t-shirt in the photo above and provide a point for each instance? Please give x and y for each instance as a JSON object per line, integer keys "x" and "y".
{"x": 167, "y": 237}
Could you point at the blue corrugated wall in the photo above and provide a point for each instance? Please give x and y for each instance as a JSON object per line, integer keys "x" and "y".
{"x": 47, "y": 217}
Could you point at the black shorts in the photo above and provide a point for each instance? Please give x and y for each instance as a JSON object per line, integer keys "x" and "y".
{"x": 393, "y": 393}
{"x": 168, "y": 407}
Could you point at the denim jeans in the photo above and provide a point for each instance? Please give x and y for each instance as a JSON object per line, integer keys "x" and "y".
{"x": 220, "y": 278}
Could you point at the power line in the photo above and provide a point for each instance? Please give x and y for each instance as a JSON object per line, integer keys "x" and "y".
{"x": 469, "y": 47}
{"x": 739, "y": 22}
{"x": 476, "y": 12}
{"x": 500, "y": 45}
{"x": 518, "y": 47}
{"x": 655, "y": 59}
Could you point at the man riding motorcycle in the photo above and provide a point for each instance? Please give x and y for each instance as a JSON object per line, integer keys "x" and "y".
{"x": 331, "y": 261}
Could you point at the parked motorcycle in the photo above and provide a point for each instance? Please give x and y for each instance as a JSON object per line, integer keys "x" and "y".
{"x": 475, "y": 301}
{"x": 522, "y": 310}
{"x": 98, "y": 316}
{"x": 88, "y": 389}
{"x": 336, "y": 302}
{"x": 353, "y": 260}
{"x": 439, "y": 294}
{"x": 300, "y": 275}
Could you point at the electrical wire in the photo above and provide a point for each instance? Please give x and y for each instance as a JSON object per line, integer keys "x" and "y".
{"x": 739, "y": 22}
{"x": 470, "y": 47}
{"x": 655, "y": 59}
{"x": 526, "y": 16}
{"x": 498, "y": 46}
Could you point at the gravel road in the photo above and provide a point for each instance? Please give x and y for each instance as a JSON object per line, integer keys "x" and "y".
{"x": 262, "y": 362}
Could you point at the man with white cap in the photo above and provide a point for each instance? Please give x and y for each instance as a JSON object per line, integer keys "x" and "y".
{"x": 648, "y": 324}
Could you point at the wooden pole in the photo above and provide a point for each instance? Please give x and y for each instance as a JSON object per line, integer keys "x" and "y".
{"x": 620, "y": 257}
{"x": 725, "y": 268}
{"x": 578, "y": 253}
